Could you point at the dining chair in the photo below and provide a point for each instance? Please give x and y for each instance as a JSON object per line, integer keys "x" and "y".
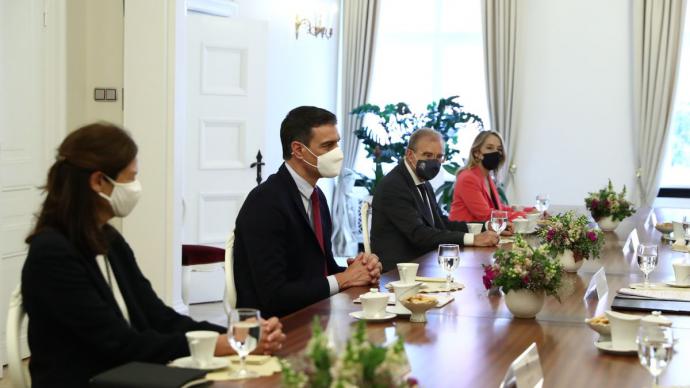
{"x": 202, "y": 273}
{"x": 19, "y": 375}
{"x": 364, "y": 213}
{"x": 230, "y": 296}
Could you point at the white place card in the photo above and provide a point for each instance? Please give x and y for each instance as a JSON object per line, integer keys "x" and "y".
{"x": 599, "y": 284}
{"x": 525, "y": 371}
{"x": 632, "y": 242}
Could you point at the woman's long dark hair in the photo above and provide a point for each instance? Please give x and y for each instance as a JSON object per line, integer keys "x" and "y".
{"x": 71, "y": 206}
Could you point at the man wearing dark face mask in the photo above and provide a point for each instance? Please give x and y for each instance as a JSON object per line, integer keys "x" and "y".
{"x": 406, "y": 219}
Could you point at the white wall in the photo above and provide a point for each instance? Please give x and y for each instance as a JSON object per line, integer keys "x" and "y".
{"x": 300, "y": 72}
{"x": 574, "y": 98}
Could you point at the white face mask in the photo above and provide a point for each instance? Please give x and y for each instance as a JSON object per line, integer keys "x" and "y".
{"x": 124, "y": 196}
{"x": 328, "y": 164}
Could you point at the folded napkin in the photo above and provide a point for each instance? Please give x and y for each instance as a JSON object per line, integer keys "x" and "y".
{"x": 506, "y": 240}
{"x": 658, "y": 286}
{"x": 662, "y": 294}
{"x": 262, "y": 365}
{"x": 442, "y": 300}
{"x": 679, "y": 247}
{"x": 434, "y": 286}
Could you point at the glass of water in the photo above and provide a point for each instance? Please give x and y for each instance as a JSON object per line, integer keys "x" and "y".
{"x": 655, "y": 348}
{"x": 499, "y": 220}
{"x": 542, "y": 203}
{"x": 647, "y": 260}
{"x": 449, "y": 259}
{"x": 244, "y": 333}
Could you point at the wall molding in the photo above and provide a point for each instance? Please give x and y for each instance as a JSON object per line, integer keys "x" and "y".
{"x": 225, "y": 8}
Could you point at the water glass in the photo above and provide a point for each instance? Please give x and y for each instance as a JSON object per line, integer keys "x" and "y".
{"x": 655, "y": 349}
{"x": 542, "y": 203}
{"x": 499, "y": 220}
{"x": 647, "y": 260}
{"x": 449, "y": 259}
{"x": 244, "y": 333}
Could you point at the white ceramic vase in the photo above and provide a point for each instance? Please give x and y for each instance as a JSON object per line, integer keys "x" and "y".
{"x": 607, "y": 224}
{"x": 567, "y": 259}
{"x": 524, "y": 303}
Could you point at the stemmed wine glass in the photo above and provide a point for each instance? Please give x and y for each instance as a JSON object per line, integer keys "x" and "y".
{"x": 449, "y": 259}
{"x": 542, "y": 203}
{"x": 244, "y": 333}
{"x": 655, "y": 349}
{"x": 499, "y": 220}
{"x": 647, "y": 260}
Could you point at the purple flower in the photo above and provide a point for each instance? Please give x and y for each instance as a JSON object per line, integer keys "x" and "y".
{"x": 592, "y": 235}
{"x": 550, "y": 234}
{"x": 595, "y": 203}
{"x": 525, "y": 280}
{"x": 489, "y": 275}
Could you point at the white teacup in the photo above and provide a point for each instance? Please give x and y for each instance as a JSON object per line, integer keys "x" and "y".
{"x": 623, "y": 329}
{"x": 682, "y": 271}
{"x": 403, "y": 290}
{"x": 374, "y": 303}
{"x": 475, "y": 227}
{"x": 532, "y": 218}
{"x": 521, "y": 225}
{"x": 408, "y": 272}
{"x": 202, "y": 344}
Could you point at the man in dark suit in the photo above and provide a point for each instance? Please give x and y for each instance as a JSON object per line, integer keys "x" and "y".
{"x": 406, "y": 220}
{"x": 282, "y": 256}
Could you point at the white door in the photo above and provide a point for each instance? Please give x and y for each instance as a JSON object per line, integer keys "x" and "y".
{"x": 23, "y": 102}
{"x": 226, "y": 100}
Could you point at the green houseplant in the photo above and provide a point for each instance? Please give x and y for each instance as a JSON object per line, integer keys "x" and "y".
{"x": 385, "y": 133}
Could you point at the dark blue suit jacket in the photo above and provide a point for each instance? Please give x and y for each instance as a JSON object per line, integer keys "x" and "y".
{"x": 278, "y": 263}
{"x": 76, "y": 329}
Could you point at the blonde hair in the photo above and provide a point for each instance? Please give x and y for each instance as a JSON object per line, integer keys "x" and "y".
{"x": 478, "y": 143}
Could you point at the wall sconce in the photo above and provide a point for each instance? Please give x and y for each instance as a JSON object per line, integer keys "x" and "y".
{"x": 315, "y": 26}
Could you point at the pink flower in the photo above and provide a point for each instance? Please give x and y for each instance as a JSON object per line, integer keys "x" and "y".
{"x": 550, "y": 234}
{"x": 525, "y": 280}
{"x": 489, "y": 275}
{"x": 607, "y": 204}
{"x": 592, "y": 235}
{"x": 595, "y": 203}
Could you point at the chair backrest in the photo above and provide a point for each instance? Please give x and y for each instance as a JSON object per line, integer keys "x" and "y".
{"x": 230, "y": 291}
{"x": 15, "y": 317}
{"x": 365, "y": 226}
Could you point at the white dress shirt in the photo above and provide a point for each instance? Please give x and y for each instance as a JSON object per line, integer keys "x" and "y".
{"x": 305, "y": 190}
{"x": 109, "y": 277}
{"x": 468, "y": 239}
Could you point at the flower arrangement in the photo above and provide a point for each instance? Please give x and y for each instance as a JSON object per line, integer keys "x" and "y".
{"x": 569, "y": 231}
{"x": 607, "y": 203}
{"x": 524, "y": 267}
{"x": 361, "y": 364}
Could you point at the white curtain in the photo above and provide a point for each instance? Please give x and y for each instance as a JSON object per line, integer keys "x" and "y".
{"x": 657, "y": 29}
{"x": 499, "y": 18}
{"x": 358, "y": 33}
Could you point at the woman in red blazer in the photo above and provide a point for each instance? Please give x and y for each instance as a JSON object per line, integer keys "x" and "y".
{"x": 475, "y": 194}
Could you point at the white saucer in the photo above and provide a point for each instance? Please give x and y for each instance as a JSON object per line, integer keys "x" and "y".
{"x": 398, "y": 310}
{"x": 673, "y": 283}
{"x": 360, "y": 315}
{"x": 607, "y": 347}
{"x": 187, "y": 362}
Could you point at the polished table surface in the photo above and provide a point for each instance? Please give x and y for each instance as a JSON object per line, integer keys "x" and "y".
{"x": 472, "y": 341}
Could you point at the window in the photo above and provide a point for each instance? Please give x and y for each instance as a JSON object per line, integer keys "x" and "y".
{"x": 426, "y": 50}
{"x": 675, "y": 175}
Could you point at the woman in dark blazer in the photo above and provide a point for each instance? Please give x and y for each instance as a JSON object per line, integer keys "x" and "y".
{"x": 90, "y": 308}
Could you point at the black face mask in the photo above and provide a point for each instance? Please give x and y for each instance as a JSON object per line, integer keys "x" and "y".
{"x": 427, "y": 169}
{"x": 491, "y": 160}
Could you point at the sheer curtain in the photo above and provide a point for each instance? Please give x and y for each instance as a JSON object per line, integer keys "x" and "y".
{"x": 500, "y": 32}
{"x": 358, "y": 33}
{"x": 657, "y": 28}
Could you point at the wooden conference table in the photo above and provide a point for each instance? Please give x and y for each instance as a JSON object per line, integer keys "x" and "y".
{"x": 472, "y": 341}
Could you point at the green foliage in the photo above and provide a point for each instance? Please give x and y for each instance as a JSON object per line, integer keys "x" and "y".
{"x": 606, "y": 202}
{"x": 524, "y": 267}
{"x": 387, "y": 141}
{"x": 569, "y": 231}
{"x": 362, "y": 364}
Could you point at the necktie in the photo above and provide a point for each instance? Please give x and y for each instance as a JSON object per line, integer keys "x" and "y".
{"x": 427, "y": 205}
{"x": 318, "y": 230}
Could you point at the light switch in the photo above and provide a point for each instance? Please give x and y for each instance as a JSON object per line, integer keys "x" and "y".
{"x": 111, "y": 94}
{"x": 99, "y": 94}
